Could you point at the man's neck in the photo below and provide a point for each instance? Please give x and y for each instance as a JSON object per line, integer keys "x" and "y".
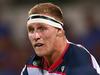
{"x": 51, "y": 59}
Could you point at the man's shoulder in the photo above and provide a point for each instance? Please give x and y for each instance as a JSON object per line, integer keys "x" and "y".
{"x": 77, "y": 54}
{"x": 79, "y": 58}
{"x": 77, "y": 48}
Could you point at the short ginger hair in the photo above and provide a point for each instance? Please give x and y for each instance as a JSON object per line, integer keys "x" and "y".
{"x": 47, "y": 9}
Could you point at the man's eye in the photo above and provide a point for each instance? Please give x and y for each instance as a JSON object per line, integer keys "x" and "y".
{"x": 42, "y": 29}
{"x": 31, "y": 30}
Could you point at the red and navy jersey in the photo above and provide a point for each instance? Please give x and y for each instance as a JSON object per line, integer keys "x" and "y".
{"x": 75, "y": 60}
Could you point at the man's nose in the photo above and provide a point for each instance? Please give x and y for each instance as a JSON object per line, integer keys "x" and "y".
{"x": 36, "y": 36}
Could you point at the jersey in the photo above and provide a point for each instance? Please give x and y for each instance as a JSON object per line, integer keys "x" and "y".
{"x": 76, "y": 60}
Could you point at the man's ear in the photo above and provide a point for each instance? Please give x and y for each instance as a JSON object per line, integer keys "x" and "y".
{"x": 60, "y": 32}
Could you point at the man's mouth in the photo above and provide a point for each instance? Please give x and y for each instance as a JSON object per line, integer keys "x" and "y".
{"x": 38, "y": 45}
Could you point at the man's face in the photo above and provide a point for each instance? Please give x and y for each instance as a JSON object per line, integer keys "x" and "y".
{"x": 43, "y": 38}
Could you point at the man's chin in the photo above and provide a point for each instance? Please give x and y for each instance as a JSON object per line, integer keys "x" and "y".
{"x": 41, "y": 54}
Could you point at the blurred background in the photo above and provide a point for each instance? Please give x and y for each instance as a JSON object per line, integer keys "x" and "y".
{"x": 82, "y": 16}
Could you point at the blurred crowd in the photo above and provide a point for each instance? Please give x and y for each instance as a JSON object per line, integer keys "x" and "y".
{"x": 84, "y": 28}
{"x": 12, "y": 57}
